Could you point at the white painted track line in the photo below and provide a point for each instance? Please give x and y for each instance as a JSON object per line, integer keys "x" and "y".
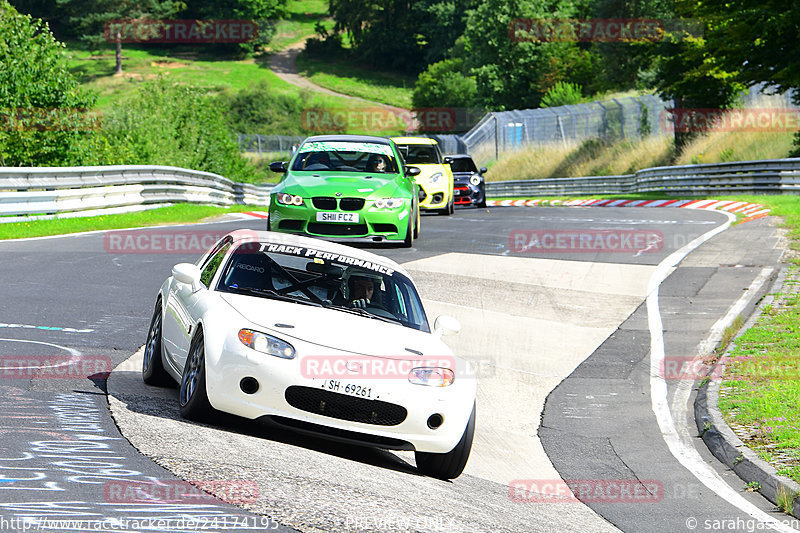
{"x": 684, "y": 452}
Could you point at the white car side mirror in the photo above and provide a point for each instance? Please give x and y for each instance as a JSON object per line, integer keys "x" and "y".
{"x": 187, "y": 273}
{"x": 446, "y": 325}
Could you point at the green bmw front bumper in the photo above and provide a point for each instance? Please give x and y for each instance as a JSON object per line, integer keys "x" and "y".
{"x": 339, "y": 218}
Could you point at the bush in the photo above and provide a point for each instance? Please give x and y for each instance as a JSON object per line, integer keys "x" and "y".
{"x": 325, "y": 46}
{"x": 443, "y": 84}
{"x": 258, "y": 109}
{"x": 165, "y": 124}
{"x": 43, "y": 110}
{"x": 562, "y": 93}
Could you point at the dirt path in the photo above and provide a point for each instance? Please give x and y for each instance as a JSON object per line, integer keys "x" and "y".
{"x": 282, "y": 63}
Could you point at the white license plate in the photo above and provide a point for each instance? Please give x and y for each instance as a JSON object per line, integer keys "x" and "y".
{"x": 352, "y": 389}
{"x": 337, "y": 217}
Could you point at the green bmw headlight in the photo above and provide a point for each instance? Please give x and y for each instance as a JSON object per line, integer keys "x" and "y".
{"x": 289, "y": 199}
{"x": 388, "y": 203}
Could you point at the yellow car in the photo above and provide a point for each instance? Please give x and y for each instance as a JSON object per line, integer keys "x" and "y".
{"x": 435, "y": 179}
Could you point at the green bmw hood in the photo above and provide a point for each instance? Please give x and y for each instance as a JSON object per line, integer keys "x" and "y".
{"x": 349, "y": 184}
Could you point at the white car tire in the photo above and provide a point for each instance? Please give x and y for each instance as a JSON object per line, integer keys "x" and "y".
{"x": 153, "y": 372}
{"x": 448, "y": 465}
{"x": 193, "y": 397}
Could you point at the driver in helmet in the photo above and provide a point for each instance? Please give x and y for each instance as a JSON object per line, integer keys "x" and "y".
{"x": 361, "y": 291}
{"x": 361, "y": 288}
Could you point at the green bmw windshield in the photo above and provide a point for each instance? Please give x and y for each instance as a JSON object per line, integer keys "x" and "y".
{"x": 342, "y": 156}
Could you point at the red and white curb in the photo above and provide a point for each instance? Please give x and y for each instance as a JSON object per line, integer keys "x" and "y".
{"x": 752, "y": 211}
{"x": 252, "y": 214}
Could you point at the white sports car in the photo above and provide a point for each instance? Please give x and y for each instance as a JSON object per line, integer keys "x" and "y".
{"x": 317, "y": 337}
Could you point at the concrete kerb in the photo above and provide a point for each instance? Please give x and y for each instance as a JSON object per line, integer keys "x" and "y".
{"x": 723, "y": 442}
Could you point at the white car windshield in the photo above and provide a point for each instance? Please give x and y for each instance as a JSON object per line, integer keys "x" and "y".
{"x": 327, "y": 279}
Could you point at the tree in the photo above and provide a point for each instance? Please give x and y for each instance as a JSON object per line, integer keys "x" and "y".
{"x": 512, "y": 72}
{"x": 756, "y": 40}
{"x": 626, "y": 64}
{"x": 44, "y": 111}
{"x": 383, "y": 32}
{"x": 401, "y": 34}
{"x": 691, "y": 74}
{"x": 443, "y": 84}
{"x": 263, "y": 12}
{"x": 93, "y": 20}
{"x": 562, "y": 93}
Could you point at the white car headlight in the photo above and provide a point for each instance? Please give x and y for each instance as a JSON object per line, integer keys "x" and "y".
{"x": 388, "y": 203}
{"x": 475, "y": 179}
{"x": 261, "y": 342}
{"x": 435, "y": 178}
{"x": 431, "y": 376}
{"x": 289, "y": 199}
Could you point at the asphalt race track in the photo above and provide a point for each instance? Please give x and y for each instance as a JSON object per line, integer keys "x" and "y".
{"x": 572, "y": 385}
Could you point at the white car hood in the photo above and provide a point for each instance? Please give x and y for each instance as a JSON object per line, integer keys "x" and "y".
{"x": 336, "y": 330}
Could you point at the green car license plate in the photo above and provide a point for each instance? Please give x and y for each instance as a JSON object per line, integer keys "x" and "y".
{"x": 337, "y": 217}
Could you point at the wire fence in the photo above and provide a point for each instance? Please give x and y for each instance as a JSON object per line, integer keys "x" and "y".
{"x": 287, "y": 144}
{"x": 619, "y": 118}
{"x": 268, "y": 144}
{"x": 498, "y": 132}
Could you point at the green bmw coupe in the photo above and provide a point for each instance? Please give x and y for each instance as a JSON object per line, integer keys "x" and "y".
{"x": 346, "y": 188}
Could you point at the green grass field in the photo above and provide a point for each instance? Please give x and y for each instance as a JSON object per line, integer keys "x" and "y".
{"x": 355, "y": 80}
{"x": 299, "y": 24}
{"x": 95, "y": 72}
{"x": 181, "y": 213}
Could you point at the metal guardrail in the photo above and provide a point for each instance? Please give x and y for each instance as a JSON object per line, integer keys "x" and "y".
{"x": 47, "y": 191}
{"x": 773, "y": 176}
{"x": 29, "y": 193}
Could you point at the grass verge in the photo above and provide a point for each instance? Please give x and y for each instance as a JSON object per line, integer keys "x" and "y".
{"x": 597, "y": 157}
{"x": 181, "y": 213}
{"x": 761, "y": 383}
{"x": 344, "y": 77}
